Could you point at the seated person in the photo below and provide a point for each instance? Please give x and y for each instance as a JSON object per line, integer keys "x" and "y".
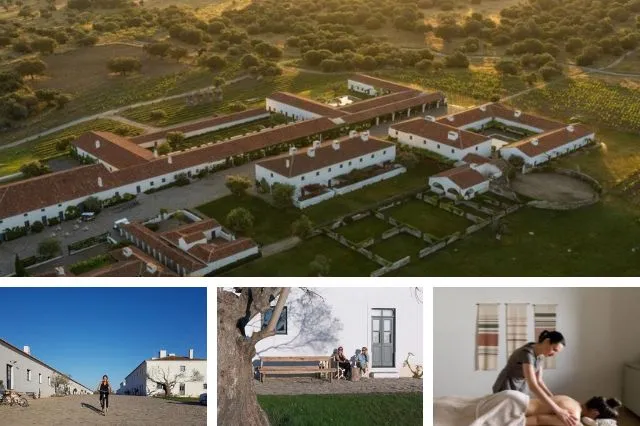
{"x": 362, "y": 360}
{"x": 540, "y": 414}
{"x": 342, "y": 361}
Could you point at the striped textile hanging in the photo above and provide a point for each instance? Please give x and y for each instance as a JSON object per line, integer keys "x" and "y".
{"x": 545, "y": 319}
{"x": 487, "y": 337}
{"x": 516, "y": 326}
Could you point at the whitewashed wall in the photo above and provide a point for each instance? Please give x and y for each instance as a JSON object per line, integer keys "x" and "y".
{"x": 83, "y": 153}
{"x": 225, "y": 261}
{"x": 483, "y": 149}
{"x": 448, "y": 184}
{"x": 356, "y": 86}
{"x": 507, "y": 152}
{"x": 289, "y": 110}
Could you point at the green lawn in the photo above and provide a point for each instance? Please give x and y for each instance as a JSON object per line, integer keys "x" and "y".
{"x": 600, "y": 239}
{"x": 399, "y": 246}
{"x": 295, "y": 262}
{"x": 413, "y": 179}
{"x": 363, "y": 229}
{"x": 270, "y": 224}
{"x": 428, "y": 218}
{"x": 343, "y": 410}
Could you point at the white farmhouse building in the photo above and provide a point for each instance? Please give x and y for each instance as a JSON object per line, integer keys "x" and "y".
{"x": 541, "y": 148}
{"x": 388, "y": 321}
{"x": 440, "y": 138}
{"x": 373, "y": 86}
{"x": 23, "y": 372}
{"x": 188, "y": 373}
{"x": 471, "y": 177}
{"x": 300, "y": 108}
{"x": 115, "y": 152}
{"x": 323, "y": 162}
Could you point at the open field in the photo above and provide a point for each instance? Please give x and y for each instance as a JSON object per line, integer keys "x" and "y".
{"x": 295, "y": 262}
{"x": 330, "y": 410}
{"x": 398, "y": 246}
{"x": 363, "y": 229}
{"x": 12, "y": 158}
{"x": 428, "y": 218}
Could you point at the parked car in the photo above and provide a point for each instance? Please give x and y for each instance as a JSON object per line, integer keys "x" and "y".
{"x": 119, "y": 222}
{"x": 203, "y": 399}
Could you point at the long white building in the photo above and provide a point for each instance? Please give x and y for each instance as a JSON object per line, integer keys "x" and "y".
{"x": 188, "y": 372}
{"x": 388, "y": 321}
{"x": 23, "y": 372}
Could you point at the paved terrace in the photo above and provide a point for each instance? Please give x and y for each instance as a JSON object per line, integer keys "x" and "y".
{"x": 314, "y": 386}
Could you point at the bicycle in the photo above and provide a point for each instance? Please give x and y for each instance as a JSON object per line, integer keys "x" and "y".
{"x": 11, "y": 398}
{"x": 104, "y": 402}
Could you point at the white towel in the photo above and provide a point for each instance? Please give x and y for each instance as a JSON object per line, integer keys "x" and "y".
{"x": 506, "y": 408}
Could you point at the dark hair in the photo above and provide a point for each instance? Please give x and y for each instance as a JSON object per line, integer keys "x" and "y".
{"x": 105, "y": 376}
{"x": 607, "y": 408}
{"x": 553, "y": 336}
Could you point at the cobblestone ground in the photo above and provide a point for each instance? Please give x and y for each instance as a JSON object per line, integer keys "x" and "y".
{"x": 310, "y": 385}
{"x": 85, "y": 410}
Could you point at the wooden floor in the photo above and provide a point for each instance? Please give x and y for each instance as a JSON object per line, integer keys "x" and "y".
{"x": 628, "y": 419}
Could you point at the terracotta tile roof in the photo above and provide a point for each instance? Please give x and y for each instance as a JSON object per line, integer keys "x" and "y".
{"x": 190, "y": 232}
{"x": 116, "y": 150}
{"x": 550, "y": 140}
{"x": 199, "y": 125}
{"x": 378, "y": 82}
{"x": 439, "y": 132}
{"x": 476, "y": 159}
{"x": 497, "y": 110}
{"x": 306, "y": 104}
{"x": 142, "y": 260}
{"x": 325, "y": 156}
{"x": 416, "y": 101}
{"x": 464, "y": 176}
{"x": 379, "y": 101}
{"x": 209, "y": 253}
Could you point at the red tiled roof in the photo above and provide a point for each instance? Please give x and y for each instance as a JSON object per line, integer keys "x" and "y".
{"x": 464, "y": 176}
{"x": 190, "y": 232}
{"x": 420, "y": 99}
{"x": 379, "y": 101}
{"x": 306, "y": 104}
{"x": 439, "y": 132}
{"x": 199, "y": 125}
{"x": 497, "y": 110}
{"x": 116, "y": 150}
{"x": 208, "y": 253}
{"x": 378, "y": 82}
{"x": 476, "y": 159}
{"x": 325, "y": 156}
{"x": 550, "y": 140}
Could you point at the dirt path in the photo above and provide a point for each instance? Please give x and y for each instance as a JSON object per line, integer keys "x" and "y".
{"x": 85, "y": 410}
{"x": 145, "y": 127}
{"x": 309, "y": 385}
{"x": 552, "y": 187}
{"x": 279, "y": 246}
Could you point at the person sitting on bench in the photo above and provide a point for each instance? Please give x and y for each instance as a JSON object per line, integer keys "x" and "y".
{"x": 362, "y": 361}
{"x": 343, "y": 362}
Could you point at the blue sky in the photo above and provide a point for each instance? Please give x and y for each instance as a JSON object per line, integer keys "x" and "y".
{"x": 88, "y": 332}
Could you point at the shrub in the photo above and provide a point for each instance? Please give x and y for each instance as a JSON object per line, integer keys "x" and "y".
{"x": 71, "y": 212}
{"x": 90, "y": 264}
{"x": 457, "y": 60}
{"x": 158, "y": 114}
{"x": 238, "y": 184}
{"x": 52, "y": 221}
{"x": 124, "y": 64}
{"x": 240, "y": 220}
{"x": 37, "y": 227}
{"x": 35, "y": 168}
{"x": 91, "y": 204}
{"x": 516, "y": 161}
{"x": 282, "y": 195}
{"x": 152, "y": 226}
{"x": 408, "y": 159}
{"x": 49, "y": 248}
{"x": 164, "y": 148}
{"x": 302, "y": 227}
{"x": 182, "y": 179}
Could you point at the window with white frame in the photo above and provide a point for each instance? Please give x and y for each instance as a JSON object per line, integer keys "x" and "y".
{"x": 40, "y": 378}
{"x": 28, "y": 375}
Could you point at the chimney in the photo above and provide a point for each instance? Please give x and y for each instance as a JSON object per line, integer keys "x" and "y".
{"x": 353, "y": 133}
{"x": 483, "y": 108}
{"x": 97, "y": 143}
{"x": 364, "y": 135}
{"x": 170, "y": 159}
{"x": 293, "y": 150}
{"x": 534, "y": 141}
{"x": 570, "y": 128}
{"x": 335, "y": 144}
{"x": 151, "y": 268}
{"x": 316, "y": 144}
{"x": 190, "y": 353}
{"x": 163, "y": 353}
{"x": 127, "y": 252}
{"x": 59, "y": 271}
{"x": 311, "y": 152}
{"x": 287, "y": 163}
{"x": 155, "y": 153}
{"x": 450, "y": 117}
{"x": 452, "y": 135}
{"x": 26, "y": 350}
{"x": 517, "y": 113}
{"x": 99, "y": 181}
{"x": 430, "y": 118}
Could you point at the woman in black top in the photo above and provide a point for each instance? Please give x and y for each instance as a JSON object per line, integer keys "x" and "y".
{"x": 343, "y": 362}
{"x": 105, "y": 389}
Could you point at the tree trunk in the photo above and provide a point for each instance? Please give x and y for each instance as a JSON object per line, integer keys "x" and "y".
{"x": 237, "y": 402}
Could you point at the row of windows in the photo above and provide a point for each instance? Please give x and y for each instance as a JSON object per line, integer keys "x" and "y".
{"x": 39, "y": 377}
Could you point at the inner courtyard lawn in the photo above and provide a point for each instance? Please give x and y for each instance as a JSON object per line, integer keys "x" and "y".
{"x": 593, "y": 241}
{"x": 343, "y": 410}
{"x": 428, "y": 218}
{"x": 363, "y": 229}
{"x": 399, "y": 246}
{"x": 295, "y": 262}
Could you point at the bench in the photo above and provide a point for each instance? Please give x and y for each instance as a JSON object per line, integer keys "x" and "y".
{"x": 322, "y": 365}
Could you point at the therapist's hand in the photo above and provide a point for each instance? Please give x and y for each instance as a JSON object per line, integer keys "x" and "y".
{"x": 567, "y": 418}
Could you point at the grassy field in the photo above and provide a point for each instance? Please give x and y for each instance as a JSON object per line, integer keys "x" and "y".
{"x": 399, "y": 246}
{"x": 343, "y": 410}
{"x": 428, "y": 218}
{"x": 592, "y": 241}
{"x": 270, "y": 224}
{"x": 295, "y": 262}
{"x": 353, "y": 201}
{"x": 41, "y": 149}
{"x": 249, "y": 91}
{"x": 363, "y": 229}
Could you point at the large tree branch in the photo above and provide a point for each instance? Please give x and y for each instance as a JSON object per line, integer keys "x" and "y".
{"x": 275, "y": 316}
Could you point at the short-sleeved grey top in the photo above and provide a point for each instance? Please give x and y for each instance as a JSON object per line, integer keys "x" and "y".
{"x": 512, "y": 375}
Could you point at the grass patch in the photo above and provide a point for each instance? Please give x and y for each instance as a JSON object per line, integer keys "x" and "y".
{"x": 180, "y": 398}
{"x": 428, "y": 218}
{"x": 270, "y": 224}
{"x": 363, "y": 229}
{"x": 600, "y": 237}
{"x": 295, "y": 262}
{"x": 45, "y": 147}
{"x": 326, "y": 410}
{"x": 398, "y": 246}
{"x": 368, "y": 196}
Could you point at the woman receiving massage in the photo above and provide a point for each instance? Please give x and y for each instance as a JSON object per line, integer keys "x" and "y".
{"x": 598, "y": 407}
